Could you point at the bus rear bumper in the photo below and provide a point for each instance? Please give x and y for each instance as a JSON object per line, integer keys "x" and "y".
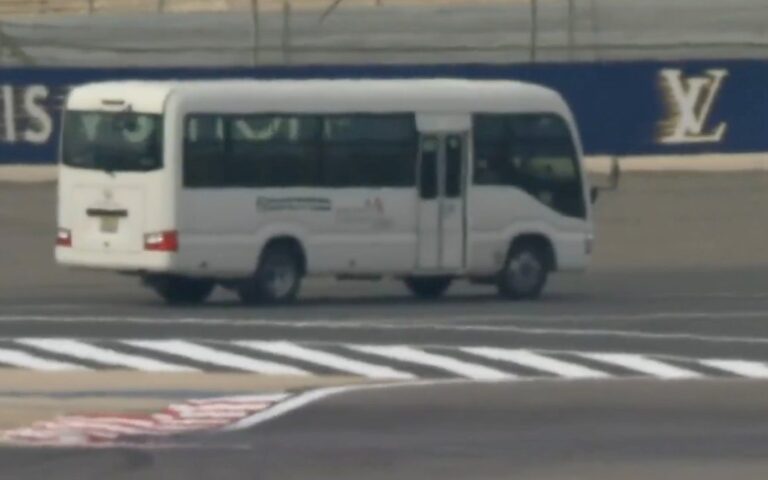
{"x": 123, "y": 261}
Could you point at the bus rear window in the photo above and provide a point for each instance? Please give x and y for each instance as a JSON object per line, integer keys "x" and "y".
{"x": 113, "y": 142}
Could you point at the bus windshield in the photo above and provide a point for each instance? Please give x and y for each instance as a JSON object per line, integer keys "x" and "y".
{"x": 112, "y": 141}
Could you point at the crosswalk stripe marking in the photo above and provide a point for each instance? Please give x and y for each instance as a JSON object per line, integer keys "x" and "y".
{"x": 413, "y": 355}
{"x": 300, "y": 357}
{"x": 86, "y": 351}
{"x": 642, "y": 364}
{"x": 201, "y": 353}
{"x": 327, "y": 359}
{"x": 537, "y": 361}
{"x": 739, "y": 367}
{"x": 21, "y": 359}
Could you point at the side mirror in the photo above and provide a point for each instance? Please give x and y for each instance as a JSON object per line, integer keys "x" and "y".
{"x": 614, "y": 175}
{"x": 594, "y": 193}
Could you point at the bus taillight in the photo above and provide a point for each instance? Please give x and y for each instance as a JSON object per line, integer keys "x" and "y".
{"x": 63, "y": 238}
{"x": 162, "y": 241}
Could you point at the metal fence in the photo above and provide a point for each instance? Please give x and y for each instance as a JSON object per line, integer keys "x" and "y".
{"x": 265, "y": 32}
{"x": 42, "y": 7}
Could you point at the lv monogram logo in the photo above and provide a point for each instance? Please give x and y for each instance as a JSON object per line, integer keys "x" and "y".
{"x": 689, "y": 104}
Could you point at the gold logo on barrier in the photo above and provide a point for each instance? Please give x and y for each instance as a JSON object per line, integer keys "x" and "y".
{"x": 689, "y": 102}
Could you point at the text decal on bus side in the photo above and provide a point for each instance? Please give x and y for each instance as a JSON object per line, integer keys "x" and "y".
{"x": 266, "y": 204}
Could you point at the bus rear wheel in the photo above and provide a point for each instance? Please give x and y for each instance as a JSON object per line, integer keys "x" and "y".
{"x": 277, "y": 279}
{"x": 178, "y": 290}
{"x": 428, "y": 287}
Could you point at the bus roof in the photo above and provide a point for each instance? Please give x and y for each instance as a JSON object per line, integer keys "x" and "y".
{"x": 395, "y": 95}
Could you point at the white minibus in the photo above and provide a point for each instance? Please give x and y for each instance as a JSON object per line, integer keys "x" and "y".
{"x": 253, "y": 185}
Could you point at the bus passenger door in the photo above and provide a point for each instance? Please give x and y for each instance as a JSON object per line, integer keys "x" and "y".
{"x": 442, "y": 204}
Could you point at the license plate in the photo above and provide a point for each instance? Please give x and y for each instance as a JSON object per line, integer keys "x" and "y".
{"x": 109, "y": 224}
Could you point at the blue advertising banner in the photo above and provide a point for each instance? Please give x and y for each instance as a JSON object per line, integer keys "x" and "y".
{"x": 623, "y": 108}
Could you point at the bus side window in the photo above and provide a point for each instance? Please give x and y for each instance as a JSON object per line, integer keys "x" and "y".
{"x": 454, "y": 157}
{"x": 491, "y": 143}
{"x": 428, "y": 168}
{"x": 551, "y": 165}
{"x": 204, "y": 151}
{"x": 533, "y": 152}
{"x": 274, "y": 150}
{"x": 365, "y": 150}
{"x": 291, "y": 150}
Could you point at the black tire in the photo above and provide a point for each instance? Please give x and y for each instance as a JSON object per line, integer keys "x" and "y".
{"x": 428, "y": 287}
{"x": 178, "y": 290}
{"x": 525, "y": 273}
{"x": 277, "y": 279}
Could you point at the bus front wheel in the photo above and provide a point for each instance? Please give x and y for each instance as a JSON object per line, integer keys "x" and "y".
{"x": 277, "y": 279}
{"x": 525, "y": 273}
{"x": 428, "y": 287}
{"x": 177, "y": 290}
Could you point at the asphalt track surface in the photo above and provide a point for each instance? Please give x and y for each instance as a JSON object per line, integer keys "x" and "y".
{"x": 633, "y": 430}
{"x": 681, "y": 272}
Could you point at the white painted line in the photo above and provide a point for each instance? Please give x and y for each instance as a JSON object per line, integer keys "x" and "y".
{"x": 301, "y": 400}
{"x": 86, "y": 351}
{"x": 642, "y": 364}
{"x": 739, "y": 367}
{"x": 326, "y": 359}
{"x": 421, "y": 321}
{"x": 537, "y": 362}
{"x": 205, "y": 354}
{"x": 24, "y": 360}
{"x": 389, "y": 324}
{"x": 442, "y": 362}
{"x": 387, "y": 321}
{"x": 284, "y": 407}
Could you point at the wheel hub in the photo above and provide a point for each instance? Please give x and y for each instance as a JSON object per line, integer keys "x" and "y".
{"x": 280, "y": 279}
{"x": 525, "y": 271}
